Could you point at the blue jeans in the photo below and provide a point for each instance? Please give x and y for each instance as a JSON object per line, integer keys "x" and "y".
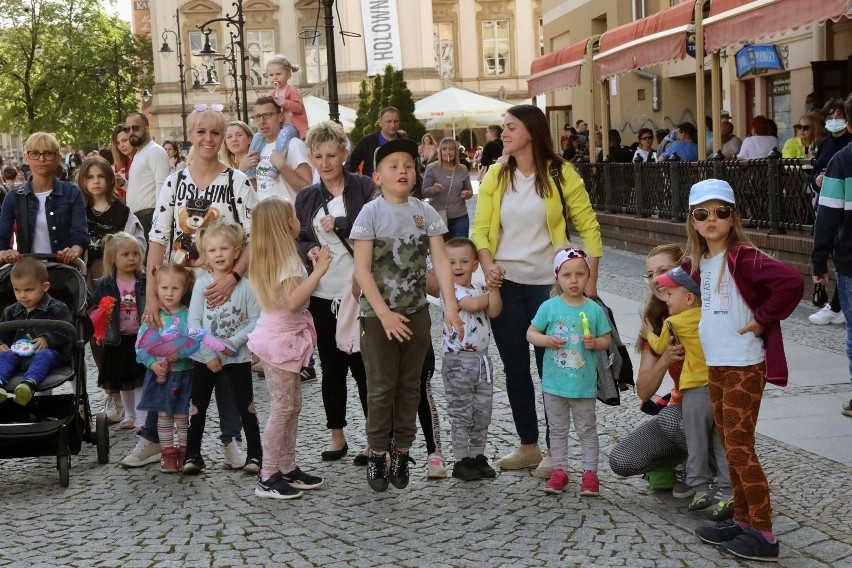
{"x": 230, "y": 424}
{"x": 458, "y": 227}
{"x": 43, "y": 362}
{"x": 520, "y": 304}
{"x": 844, "y": 290}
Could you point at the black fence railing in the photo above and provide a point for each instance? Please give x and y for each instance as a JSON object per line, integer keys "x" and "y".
{"x": 771, "y": 193}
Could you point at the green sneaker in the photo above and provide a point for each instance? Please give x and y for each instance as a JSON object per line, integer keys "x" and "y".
{"x": 723, "y": 509}
{"x": 701, "y": 501}
{"x": 3, "y": 394}
{"x": 661, "y": 478}
{"x": 23, "y": 393}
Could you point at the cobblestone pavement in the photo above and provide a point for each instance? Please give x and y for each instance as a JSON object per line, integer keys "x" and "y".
{"x": 115, "y": 517}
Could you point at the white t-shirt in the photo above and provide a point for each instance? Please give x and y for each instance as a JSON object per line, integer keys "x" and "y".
{"x": 477, "y": 326}
{"x": 331, "y": 284}
{"x": 148, "y": 172}
{"x": 41, "y": 235}
{"x": 297, "y": 154}
{"x": 523, "y": 246}
{"x": 723, "y": 313}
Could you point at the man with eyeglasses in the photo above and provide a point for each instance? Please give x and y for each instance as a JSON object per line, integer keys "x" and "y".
{"x": 148, "y": 171}
{"x": 294, "y": 169}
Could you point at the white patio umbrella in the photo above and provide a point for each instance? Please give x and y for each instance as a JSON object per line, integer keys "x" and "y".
{"x": 317, "y": 111}
{"x": 459, "y": 108}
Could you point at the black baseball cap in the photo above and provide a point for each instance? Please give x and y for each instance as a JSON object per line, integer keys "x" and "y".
{"x": 406, "y": 145}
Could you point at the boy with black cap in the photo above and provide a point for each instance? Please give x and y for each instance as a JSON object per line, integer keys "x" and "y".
{"x": 392, "y": 236}
{"x": 702, "y": 439}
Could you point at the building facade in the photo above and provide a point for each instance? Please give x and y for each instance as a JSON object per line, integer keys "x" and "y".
{"x": 485, "y": 46}
{"x": 811, "y": 59}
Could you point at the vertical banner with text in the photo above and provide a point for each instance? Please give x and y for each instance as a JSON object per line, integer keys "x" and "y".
{"x": 381, "y": 35}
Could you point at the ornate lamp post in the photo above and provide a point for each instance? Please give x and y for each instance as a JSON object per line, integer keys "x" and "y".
{"x": 166, "y": 49}
{"x": 237, "y": 21}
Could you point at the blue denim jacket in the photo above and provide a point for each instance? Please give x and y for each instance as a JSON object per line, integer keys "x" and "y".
{"x": 66, "y": 217}
{"x": 48, "y": 308}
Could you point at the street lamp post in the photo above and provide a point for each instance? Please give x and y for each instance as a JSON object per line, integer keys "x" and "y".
{"x": 102, "y": 74}
{"x": 236, "y": 20}
{"x": 331, "y": 61}
{"x": 165, "y": 50}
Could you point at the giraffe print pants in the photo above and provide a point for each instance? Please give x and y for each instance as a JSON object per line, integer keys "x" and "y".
{"x": 735, "y": 393}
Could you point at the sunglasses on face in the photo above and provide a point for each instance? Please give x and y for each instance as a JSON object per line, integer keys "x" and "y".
{"x": 702, "y": 213}
{"x": 122, "y": 128}
{"x": 804, "y": 127}
{"x": 201, "y": 107}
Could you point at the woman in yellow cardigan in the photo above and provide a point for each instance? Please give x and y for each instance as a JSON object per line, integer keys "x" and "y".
{"x": 519, "y": 225}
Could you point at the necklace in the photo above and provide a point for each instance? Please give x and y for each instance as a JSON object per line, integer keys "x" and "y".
{"x": 97, "y": 213}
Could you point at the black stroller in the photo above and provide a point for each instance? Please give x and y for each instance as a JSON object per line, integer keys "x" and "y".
{"x": 55, "y": 424}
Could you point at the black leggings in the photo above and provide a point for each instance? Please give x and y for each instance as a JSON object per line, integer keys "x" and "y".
{"x": 427, "y": 412}
{"x": 203, "y": 382}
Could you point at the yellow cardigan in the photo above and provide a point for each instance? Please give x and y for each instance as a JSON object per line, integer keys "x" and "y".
{"x": 486, "y": 224}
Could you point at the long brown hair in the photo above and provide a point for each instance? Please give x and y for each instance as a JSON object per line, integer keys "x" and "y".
{"x": 655, "y": 310}
{"x": 542, "y": 150}
{"x": 96, "y": 162}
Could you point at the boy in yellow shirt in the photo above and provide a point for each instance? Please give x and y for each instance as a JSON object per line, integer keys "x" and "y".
{"x": 702, "y": 439}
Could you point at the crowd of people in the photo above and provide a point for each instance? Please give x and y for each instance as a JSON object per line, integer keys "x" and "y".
{"x": 283, "y": 242}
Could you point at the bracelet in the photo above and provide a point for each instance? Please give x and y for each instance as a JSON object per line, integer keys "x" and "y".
{"x": 236, "y": 275}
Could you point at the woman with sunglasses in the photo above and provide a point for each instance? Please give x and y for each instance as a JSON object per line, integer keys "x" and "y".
{"x": 520, "y": 221}
{"x": 122, "y": 156}
{"x": 55, "y": 217}
{"x": 804, "y": 143}
{"x": 644, "y": 153}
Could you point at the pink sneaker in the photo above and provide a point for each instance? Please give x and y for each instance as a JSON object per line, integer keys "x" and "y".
{"x": 557, "y": 483}
{"x": 590, "y": 486}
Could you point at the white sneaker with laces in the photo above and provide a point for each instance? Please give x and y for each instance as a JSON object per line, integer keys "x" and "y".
{"x": 235, "y": 458}
{"x": 826, "y": 316}
{"x": 144, "y": 453}
{"x": 437, "y": 468}
{"x": 113, "y": 408}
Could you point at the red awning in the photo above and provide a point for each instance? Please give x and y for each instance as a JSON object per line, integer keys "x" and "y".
{"x": 734, "y": 22}
{"x": 658, "y": 38}
{"x": 557, "y": 70}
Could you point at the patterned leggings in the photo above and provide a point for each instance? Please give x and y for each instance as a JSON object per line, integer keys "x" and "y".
{"x": 736, "y": 393}
{"x": 279, "y": 435}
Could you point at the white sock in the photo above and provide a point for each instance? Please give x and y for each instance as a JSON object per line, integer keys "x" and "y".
{"x": 129, "y": 402}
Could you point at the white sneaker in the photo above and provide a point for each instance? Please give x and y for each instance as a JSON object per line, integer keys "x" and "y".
{"x": 235, "y": 458}
{"x": 545, "y": 467}
{"x": 113, "y": 408}
{"x": 437, "y": 468}
{"x": 144, "y": 453}
{"x": 825, "y": 316}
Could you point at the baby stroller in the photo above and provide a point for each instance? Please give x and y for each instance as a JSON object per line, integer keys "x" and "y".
{"x": 55, "y": 424}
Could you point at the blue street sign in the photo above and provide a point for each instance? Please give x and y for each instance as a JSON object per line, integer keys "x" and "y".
{"x": 757, "y": 58}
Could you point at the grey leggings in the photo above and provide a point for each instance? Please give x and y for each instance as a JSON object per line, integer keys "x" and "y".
{"x": 656, "y": 442}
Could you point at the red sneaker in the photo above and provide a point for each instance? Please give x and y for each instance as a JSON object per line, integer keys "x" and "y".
{"x": 590, "y": 486}
{"x": 557, "y": 483}
{"x": 169, "y": 460}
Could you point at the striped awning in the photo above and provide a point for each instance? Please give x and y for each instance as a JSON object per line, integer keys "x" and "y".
{"x": 557, "y": 70}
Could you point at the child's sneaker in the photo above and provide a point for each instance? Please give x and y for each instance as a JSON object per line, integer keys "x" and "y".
{"x": 276, "y": 488}
{"x": 169, "y": 460}
{"x": 113, "y": 408}
{"x": 252, "y": 465}
{"x": 3, "y": 394}
{"x": 193, "y": 465}
{"x": 590, "y": 486}
{"x": 703, "y": 498}
{"x": 545, "y": 467}
{"x": 723, "y": 509}
{"x": 752, "y": 545}
{"x": 144, "y": 452}
{"x": 398, "y": 472}
{"x": 484, "y": 467}
{"x": 720, "y": 532}
{"x": 437, "y": 468}
{"x": 466, "y": 470}
{"x": 24, "y": 393}
{"x": 557, "y": 483}
{"x": 680, "y": 489}
{"x": 235, "y": 458}
{"x": 377, "y": 472}
{"x": 301, "y": 480}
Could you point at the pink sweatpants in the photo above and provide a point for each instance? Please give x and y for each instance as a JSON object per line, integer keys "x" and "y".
{"x": 279, "y": 435}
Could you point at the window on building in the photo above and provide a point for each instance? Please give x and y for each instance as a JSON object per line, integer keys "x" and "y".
{"x": 260, "y": 46}
{"x": 779, "y": 104}
{"x": 316, "y": 63}
{"x": 495, "y": 46}
{"x": 207, "y": 72}
{"x": 445, "y": 60}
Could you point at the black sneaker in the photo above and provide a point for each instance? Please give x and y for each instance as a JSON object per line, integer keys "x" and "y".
{"x": 484, "y": 468}
{"x": 467, "y": 469}
{"x": 752, "y": 545}
{"x": 361, "y": 460}
{"x": 719, "y": 533}
{"x": 276, "y": 488}
{"x": 308, "y": 374}
{"x": 377, "y": 472}
{"x": 193, "y": 465}
{"x": 398, "y": 473}
{"x": 301, "y": 480}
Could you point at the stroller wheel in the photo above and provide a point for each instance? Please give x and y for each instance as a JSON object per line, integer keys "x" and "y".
{"x": 64, "y": 465}
{"x": 102, "y": 437}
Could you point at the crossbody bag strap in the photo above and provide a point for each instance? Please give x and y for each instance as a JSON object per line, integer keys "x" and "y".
{"x": 556, "y": 174}
{"x": 179, "y": 179}
{"x": 343, "y": 239}
{"x": 232, "y": 197}
{"x": 24, "y": 244}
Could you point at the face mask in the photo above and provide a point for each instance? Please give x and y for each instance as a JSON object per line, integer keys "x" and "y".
{"x": 835, "y": 124}
{"x": 809, "y": 107}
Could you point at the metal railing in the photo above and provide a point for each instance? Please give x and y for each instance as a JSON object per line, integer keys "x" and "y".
{"x": 771, "y": 193}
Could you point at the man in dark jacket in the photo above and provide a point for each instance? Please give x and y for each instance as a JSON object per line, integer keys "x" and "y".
{"x": 617, "y": 152}
{"x": 366, "y": 148}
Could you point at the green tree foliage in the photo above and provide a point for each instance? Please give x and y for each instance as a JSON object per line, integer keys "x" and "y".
{"x": 361, "y": 120}
{"x": 401, "y": 98}
{"x": 61, "y": 63}
{"x": 389, "y": 89}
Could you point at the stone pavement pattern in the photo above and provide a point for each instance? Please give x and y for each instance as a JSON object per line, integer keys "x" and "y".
{"x": 133, "y": 518}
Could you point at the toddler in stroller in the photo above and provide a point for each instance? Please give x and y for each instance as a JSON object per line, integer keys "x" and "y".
{"x": 37, "y": 351}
